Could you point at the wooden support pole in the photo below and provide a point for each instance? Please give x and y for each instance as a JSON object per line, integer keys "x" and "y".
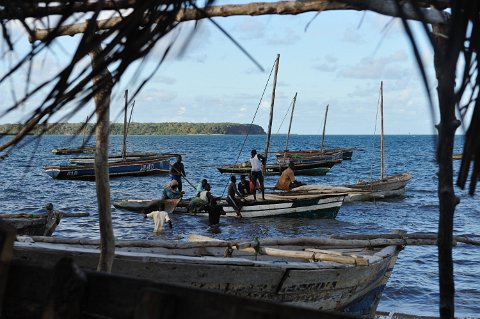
{"x": 446, "y": 51}
{"x": 102, "y": 87}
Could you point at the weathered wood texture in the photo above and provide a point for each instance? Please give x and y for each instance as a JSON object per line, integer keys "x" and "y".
{"x": 102, "y": 88}
{"x": 447, "y": 50}
{"x": 108, "y": 296}
{"x": 385, "y": 7}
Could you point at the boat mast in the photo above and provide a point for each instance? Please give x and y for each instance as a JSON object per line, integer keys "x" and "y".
{"x": 267, "y": 143}
{"x": 290, "y": 125}
{"x": 382, "y": 168}
{"x": 324, "y": 124}
{"x": 84, "y": 132}
{"x": 124, "y": 145}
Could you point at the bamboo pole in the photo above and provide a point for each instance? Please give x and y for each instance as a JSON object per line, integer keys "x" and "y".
{"x": 290, "y": 125}
{"x": 324, "y": 125}
{"x": 269, "y": 133}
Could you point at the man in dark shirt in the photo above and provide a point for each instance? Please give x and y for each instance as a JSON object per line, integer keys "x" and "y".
{"x": 177, "y": 170}
{"x": 232, "y": 191}
{"x": 243, "y": 186}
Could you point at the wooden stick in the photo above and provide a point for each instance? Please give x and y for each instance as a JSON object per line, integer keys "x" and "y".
{"x": 308, "y": 254}
{"x": 420, "y": 236}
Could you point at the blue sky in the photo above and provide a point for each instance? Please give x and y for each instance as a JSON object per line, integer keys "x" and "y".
{"x": 336, "y": 58}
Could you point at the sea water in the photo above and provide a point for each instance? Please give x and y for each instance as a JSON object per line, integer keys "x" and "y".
{"x": 413, "y": 287}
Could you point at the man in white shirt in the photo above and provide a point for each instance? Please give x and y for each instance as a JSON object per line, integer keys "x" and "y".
{"x": 257, "y": 161}
{"x": 157, "y": 212}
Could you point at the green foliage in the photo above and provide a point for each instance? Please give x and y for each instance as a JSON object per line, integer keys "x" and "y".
{"x": 170, "y": 128}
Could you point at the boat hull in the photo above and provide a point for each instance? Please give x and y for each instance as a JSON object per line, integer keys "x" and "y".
{"x": 313, "y": 168}
{"x": 77, "y": 150}
{"x": 141, "y": 167}
{"x": 320, "y": 285}
{"x": 388, "y": 184}
{"x": 314, "y": 206}
{"x": 302, "y": 155}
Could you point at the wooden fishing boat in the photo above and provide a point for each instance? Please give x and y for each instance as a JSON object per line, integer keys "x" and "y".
{"x": 385, "y": 186}
{"x": 124, "y": 164}
{"x": 74, "y": 150}
{"x": 33, "y": 224}
{"x": 289, "y": 204}
{"x": 394, "y": 184}
{"x": 310, "y": 168}
{"x": 306, "y": 156}
{"x": 83, "y": 149}
{"x": 319, "y": 273}
{"x": 84, "y": 169}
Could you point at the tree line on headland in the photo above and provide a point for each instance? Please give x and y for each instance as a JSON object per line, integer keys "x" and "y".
{"x": 169, "y": 128}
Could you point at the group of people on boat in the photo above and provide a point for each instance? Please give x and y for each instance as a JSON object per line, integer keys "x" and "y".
{"x": 204, "y": 199}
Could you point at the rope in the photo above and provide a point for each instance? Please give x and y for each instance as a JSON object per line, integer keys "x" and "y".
{"x": 286, "y": 113}
{"x": 373, "y": 142}
{"x": 251, "y": 123}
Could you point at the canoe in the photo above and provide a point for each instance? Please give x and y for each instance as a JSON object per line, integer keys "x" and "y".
{"x": 311, "y": 168}
{"x": 325, "y": 274}
{"x": 289, "y": 204}
{"x": 33, "y": 224}
{"x": 131, "y": 166}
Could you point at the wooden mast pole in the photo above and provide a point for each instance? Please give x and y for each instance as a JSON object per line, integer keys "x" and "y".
{"x": 267, "y": 143}
{"x": 290, "y": 125}
{"x": 324, "y": 125}
{"x": 124, "y": 145}
{"x": 382, "y": 165}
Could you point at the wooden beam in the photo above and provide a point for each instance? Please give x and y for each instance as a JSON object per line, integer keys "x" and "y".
{"x": 385, "y": 7}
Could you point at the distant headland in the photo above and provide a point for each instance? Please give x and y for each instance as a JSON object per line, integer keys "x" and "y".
{"x": 169, "y": 128}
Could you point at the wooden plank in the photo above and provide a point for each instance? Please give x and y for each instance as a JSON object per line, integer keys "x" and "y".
{"x": 67, "y": 291}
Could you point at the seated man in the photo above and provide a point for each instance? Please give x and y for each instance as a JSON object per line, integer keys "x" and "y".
{"x": 287, "y": 179}
{"x": 171, "y": 191}
{"x": 243, "y": 186}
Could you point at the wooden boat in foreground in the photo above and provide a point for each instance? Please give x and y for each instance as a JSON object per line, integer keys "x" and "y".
{"x": 320, "y": 273}
{"x": 316, "y": 205}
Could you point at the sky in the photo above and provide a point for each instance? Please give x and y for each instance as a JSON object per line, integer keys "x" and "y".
{"x": 337, "y": 58}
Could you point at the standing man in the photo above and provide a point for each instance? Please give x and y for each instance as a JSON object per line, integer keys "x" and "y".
{"x": 177, "y": 170}
{"x": 257, "y": 161}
